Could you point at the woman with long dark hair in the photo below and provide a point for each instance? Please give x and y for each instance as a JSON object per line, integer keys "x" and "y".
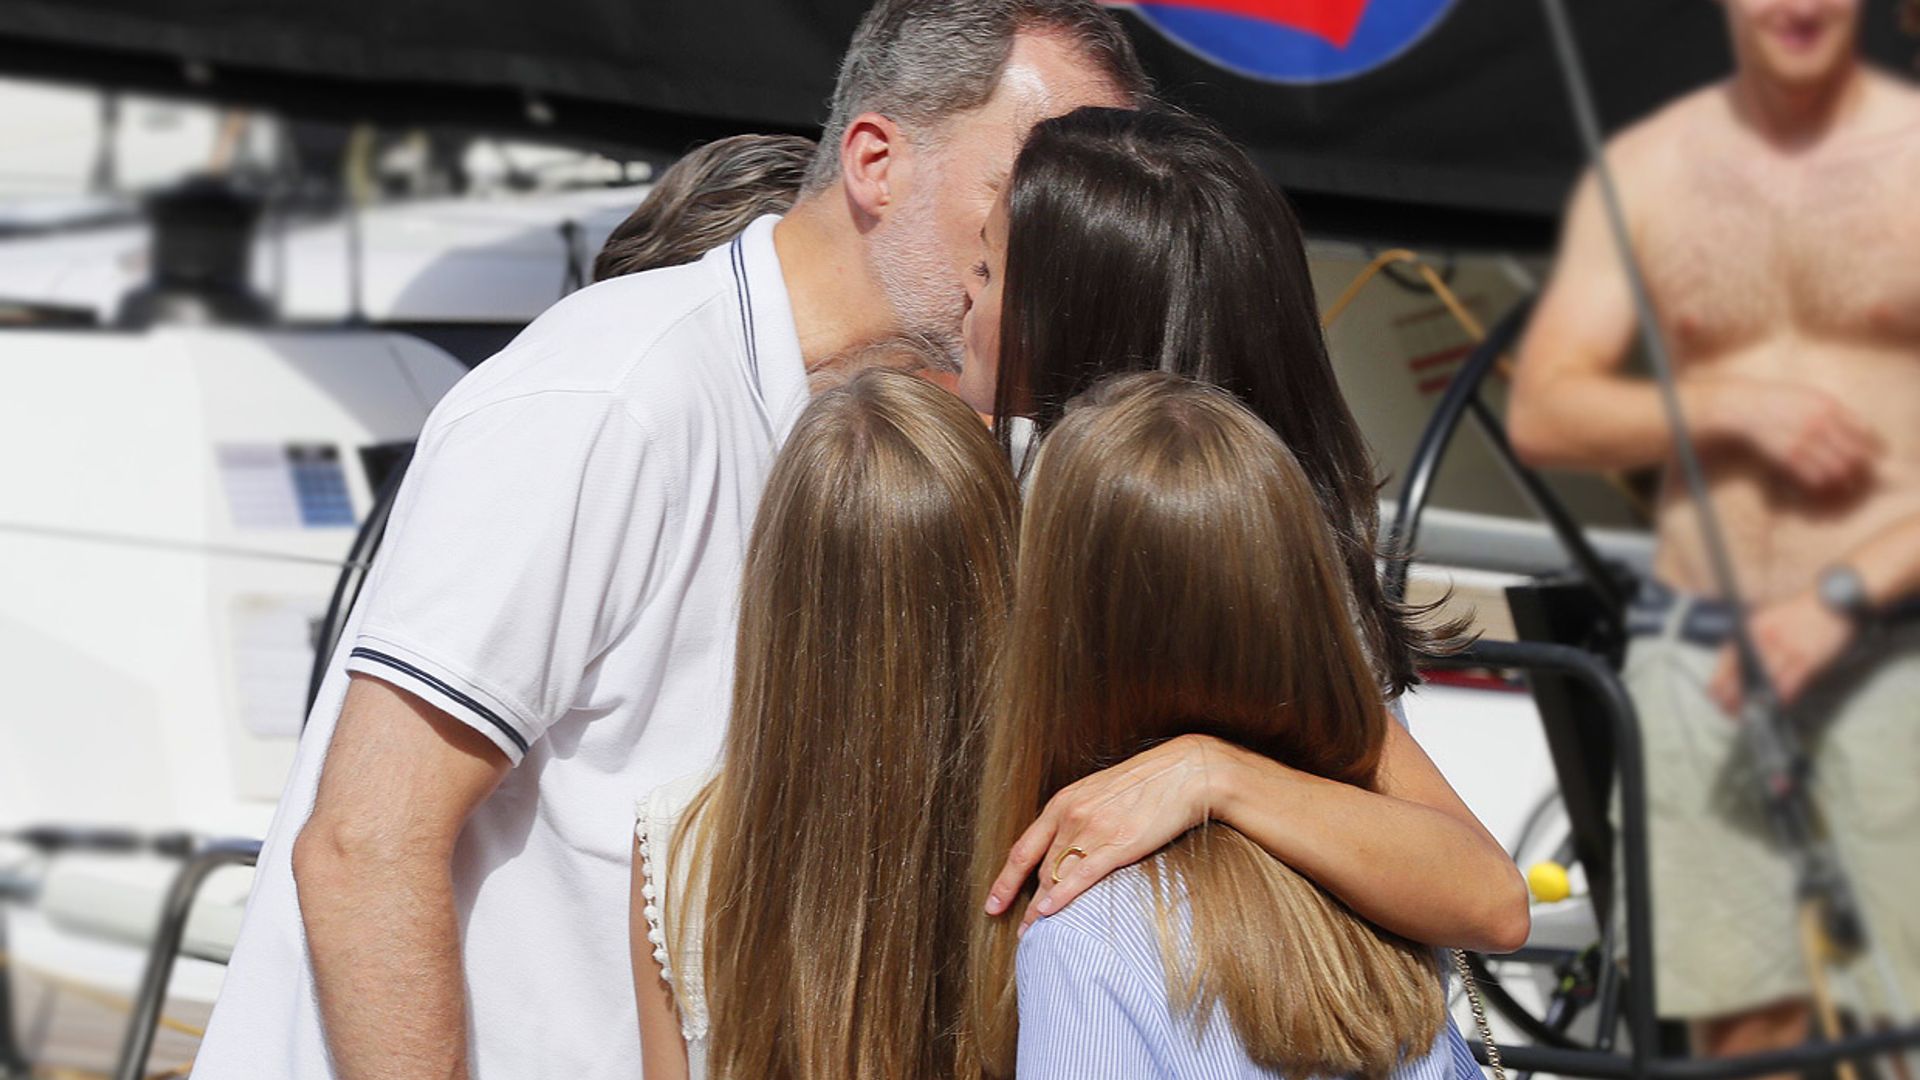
{"x": 1145, "y": 240}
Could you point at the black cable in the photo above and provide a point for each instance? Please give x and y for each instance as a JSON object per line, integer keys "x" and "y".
{"x": 50, "y": 839}
{"x": 1515, "y": 1013}
{"x": 353, "y": 575}
{"x": 575, "y": 276}
{"x": 1535, "y": 818}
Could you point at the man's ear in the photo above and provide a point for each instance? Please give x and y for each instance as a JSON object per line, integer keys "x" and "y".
{"x": 871, "y": 164}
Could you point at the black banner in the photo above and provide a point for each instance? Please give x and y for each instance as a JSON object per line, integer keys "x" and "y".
{"x": 1457, "y": 133}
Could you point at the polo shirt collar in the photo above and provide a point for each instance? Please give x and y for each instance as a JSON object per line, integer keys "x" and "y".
{"x": 766, "y": 321}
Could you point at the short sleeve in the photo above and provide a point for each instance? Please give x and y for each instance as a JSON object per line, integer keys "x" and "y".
{"x": 522, "y": 543}
{"x": 1084, "y": 1012}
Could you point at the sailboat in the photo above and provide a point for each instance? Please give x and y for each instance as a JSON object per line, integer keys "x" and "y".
{"x": 181, "y": 495}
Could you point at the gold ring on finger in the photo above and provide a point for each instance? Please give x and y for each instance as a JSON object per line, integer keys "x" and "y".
{"x": 1057, "y": 862}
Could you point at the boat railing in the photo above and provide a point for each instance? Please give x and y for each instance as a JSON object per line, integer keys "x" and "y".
{"x": 151, "y": 999}
{"x": 1578, "y": 690}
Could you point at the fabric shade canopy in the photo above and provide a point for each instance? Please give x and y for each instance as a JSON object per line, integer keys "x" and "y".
{"x": 1449, "y": 125}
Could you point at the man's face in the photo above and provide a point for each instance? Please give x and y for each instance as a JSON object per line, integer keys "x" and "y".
{"x": 1795, "y": 43}
{"x": 923, "y": 253}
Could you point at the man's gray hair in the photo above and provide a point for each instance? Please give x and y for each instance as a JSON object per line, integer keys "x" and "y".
{"x": 918, "y": 62}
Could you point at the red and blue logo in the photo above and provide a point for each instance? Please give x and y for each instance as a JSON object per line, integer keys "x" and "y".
{"x": 1294, "y": 41}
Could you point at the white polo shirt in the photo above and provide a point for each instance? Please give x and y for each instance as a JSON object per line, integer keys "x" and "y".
{"x": 561, "y": 573}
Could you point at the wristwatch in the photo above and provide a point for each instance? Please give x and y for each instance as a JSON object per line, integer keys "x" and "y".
{"x": 1845, "y": 593}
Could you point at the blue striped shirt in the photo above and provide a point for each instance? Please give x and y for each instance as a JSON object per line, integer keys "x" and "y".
{"x": 1093, "y": 1002}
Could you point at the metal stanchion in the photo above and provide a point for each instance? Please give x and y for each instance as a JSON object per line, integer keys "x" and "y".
{"x": 152, "y": 997}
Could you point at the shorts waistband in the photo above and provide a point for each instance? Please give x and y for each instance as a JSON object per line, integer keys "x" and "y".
{"x": 1708, "y": 621}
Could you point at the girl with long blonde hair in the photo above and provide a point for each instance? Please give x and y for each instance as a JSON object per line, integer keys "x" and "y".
{"x": 1176, "y": 577}
{"x": 803, "y": 912}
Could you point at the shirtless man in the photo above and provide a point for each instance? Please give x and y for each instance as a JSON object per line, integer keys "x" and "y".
{"x": 1776, "y": 219}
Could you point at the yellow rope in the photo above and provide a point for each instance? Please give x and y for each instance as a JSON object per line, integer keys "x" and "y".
{"x": 1460, "y": 313}
{"x": 1475, "y": 331}
{"x": 97, "y": 996}
{"x": 1819, "y": 953}
{"x": 1360, "y": 281}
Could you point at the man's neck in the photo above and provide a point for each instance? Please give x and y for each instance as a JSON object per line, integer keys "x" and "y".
{"x": 836, "y": 304}
{"x": 1795, "y": 117}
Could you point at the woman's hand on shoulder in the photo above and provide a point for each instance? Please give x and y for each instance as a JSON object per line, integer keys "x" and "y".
{"x": 1114, "y": 818}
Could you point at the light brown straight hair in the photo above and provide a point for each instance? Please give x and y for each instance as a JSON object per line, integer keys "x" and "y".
{"x": 838, "y": 831}
{"x": 704, "y": 200}
{"x": 1177, "y": 575}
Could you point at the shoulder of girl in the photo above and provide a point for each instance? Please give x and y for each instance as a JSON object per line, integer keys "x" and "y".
{"x": 1114, "y": 915}
{"x": 670, "y": 800}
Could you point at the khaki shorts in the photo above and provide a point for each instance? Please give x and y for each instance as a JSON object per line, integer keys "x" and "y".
{"x": 1724, "y": 910}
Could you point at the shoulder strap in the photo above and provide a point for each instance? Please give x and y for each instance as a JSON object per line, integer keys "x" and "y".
{"x": 1479, "y": 1012}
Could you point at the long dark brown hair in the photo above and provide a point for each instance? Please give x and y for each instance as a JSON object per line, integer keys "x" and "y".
{"x": 838, "y": 832}
{"x": 1176, "y": 577}
{"x": 1145, "y": 240}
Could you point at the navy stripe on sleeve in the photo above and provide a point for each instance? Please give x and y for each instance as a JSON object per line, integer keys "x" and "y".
{"x": 402, "y": 666}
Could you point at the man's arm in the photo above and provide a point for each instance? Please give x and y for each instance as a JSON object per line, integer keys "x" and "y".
{"x": 1410, "y": 857}
{"x": 1573, "y": 407}
{"x": 1571, "y": 404}
{"x": 1799, "y": 637}
{"x": 1889, "y": 564}
{"x": 373, "y": 868}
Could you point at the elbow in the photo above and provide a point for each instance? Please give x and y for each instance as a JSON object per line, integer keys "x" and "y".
{"x": 321, "y": 864}
{"x": 1536, "y": 398}
{"x": 1532, "y": 433}
{"x": 332, "y": 858}
{"x": 1509, "y": 917}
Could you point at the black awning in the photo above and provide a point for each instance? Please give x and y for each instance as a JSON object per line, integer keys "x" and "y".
{"x": 1459, "y": 129}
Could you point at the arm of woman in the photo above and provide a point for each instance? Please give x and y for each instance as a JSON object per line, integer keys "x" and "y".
{"x": 663, "y": 1052}
{"x": 1410, "y": 857}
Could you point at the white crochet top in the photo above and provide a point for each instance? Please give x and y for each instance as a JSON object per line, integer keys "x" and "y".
{"x": 674, "y": 902}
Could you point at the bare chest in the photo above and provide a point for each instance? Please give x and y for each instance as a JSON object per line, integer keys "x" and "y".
{"x": 1739, "y": 249}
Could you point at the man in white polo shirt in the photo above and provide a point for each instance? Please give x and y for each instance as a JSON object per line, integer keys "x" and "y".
{"x": 549, "y": 628}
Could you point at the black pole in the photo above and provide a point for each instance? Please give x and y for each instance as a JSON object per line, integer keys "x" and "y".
{"x": 1438, "y": 434}
{"x": 353, "y": 575}
{"x": 151, "y": 1000}
{"x": 1639, "y": 1063}
{"x": 13, "y": 1061}
{"x": 1585, "y": 558}
{"x": 1587, "y": 668}
{"x": 1462, "y": 397}
{"x": 1799, "y": 1059}
{"x": 576, "y": 275}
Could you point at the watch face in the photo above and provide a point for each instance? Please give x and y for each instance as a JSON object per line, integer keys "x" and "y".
{"x": 1842, "y": 590}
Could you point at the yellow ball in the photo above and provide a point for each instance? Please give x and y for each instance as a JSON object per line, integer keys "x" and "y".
{"x": 1548, "y": 881}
